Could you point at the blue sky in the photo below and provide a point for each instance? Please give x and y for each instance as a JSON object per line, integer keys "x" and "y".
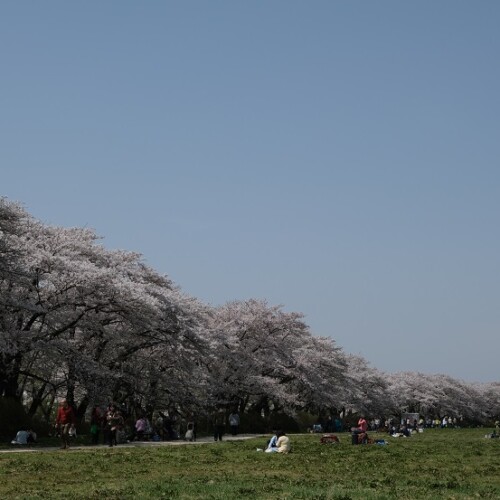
{"x": 339, "y": 158}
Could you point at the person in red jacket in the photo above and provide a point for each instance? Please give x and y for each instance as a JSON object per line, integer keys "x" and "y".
{"x": 362, "y": 424}
{"x": 64, "y": 421}
{"x": 359, "y": 434}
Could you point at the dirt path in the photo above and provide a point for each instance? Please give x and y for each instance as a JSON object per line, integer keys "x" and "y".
{"x": 134, "y": 444}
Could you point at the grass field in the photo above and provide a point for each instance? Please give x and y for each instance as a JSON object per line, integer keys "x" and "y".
{"x": 440, "y": 464}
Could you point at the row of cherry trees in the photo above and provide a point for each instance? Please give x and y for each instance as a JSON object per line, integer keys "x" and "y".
{"x": 92, "y": 325}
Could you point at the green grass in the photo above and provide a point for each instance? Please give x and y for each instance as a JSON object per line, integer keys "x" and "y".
{"x": 449, "y": 464}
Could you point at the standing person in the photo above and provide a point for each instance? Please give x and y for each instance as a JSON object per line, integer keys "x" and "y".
{"x": 140, "y": 428}
{"x": 169, "y": 433}
{"x": 362, "y": 424}
{"x": 191, "y": 424}
{"x": 95, "y": 424}
{"x": 192, "y": 420}
{"x": 65, "y": 419}
{"x": 234, "y": 423}
{"x": 159, "y": 425}
{"x": 358, "y": 433}
{"x": 219, "y": 422}
{"x": 189, "y": 436}
{"x": 114, "y": 421}
{"x": 329, "y": 426}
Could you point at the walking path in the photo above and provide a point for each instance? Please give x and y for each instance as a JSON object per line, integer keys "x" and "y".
{"x": 133, "y": 444}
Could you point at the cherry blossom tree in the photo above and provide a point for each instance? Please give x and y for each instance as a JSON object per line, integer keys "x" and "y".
{"x": 83, "y": 322}
{"x": 366, "y": 389}
{"x": 434, "y": 395}
{"x": 490, "y": 399}
{"x": 15, "y": 279}
{"x": 263, "y": 358}
{"x": 75, "y": 315}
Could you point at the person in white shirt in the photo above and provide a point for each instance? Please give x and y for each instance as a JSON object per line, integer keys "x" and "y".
{"x": 234, "y": 423}
{"x": 271, "y": 445}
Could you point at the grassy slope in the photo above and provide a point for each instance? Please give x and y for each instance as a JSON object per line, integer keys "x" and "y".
{"x": 437, "y": 464}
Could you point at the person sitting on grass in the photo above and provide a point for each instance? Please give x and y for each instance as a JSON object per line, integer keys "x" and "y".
{"x": 283, "y": 443}
{"x": 24, "y": 437}
{"x": 405, "y": 430}
{"x": 279, "y": 443}
{"x": 271, "y": 444}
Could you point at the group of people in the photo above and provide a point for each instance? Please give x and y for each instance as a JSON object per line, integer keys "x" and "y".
{"x": 25, "y": 437}
{"x": 360, "y": 432}
{"x": 330, "y": 425}
{"x": 110, "y": 424}
{"x": 279, "y": 443}
{"x": 65, "y": 427}
{"x": 219, "y": 423}
{"x": 113, "y": 424}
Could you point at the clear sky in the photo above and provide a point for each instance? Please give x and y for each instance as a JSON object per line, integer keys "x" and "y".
{"x": 338, "y": 157}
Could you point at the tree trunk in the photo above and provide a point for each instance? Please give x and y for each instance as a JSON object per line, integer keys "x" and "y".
{"x": 82, "y": 408}
{"x": 37, "y": 400}
{"x": 9, "y": 381}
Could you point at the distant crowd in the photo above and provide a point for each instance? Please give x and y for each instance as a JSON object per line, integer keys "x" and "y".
{"x": 115, "y": 424}
{"x": 390, "y": 425}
